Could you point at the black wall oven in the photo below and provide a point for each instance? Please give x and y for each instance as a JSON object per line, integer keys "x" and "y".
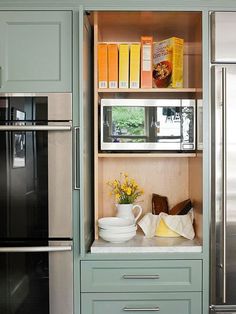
{"x": 36, "y": 262}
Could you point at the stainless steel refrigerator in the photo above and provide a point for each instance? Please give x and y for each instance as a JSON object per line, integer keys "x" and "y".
{"x": 223, "y": 101}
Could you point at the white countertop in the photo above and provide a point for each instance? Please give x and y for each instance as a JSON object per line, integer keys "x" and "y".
{"x": 141, "y": 244}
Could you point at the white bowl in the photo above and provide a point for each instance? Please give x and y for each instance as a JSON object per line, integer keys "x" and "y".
{"x": 116, "y": 238}
{"x": 124, "y": 229}
{"x": 110, "y": 222}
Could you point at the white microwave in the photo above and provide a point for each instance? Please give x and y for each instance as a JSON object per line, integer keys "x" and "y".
{"x": 148, "y": 125}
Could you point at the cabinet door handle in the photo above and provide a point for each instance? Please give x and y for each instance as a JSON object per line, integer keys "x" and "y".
{"x": 141, "y": 309}
{"x": 141, "y": 276}
{"x": 76, "y": 156}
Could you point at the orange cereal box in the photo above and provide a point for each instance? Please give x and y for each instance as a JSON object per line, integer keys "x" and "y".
{"x": 112, "y": 65}
{"x": 168, "y": 63}
{"x": 102, "y": 65}
{"x": 146, "y": 61}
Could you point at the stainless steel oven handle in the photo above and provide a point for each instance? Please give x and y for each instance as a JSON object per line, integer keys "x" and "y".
{"x": 35, "y": 249}
{"x": 224, "y": 178}
{"x": 76, "y": 156}
{"x": 22, "y": 128}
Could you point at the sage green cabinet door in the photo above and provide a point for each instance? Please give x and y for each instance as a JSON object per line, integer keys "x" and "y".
{"x": 35, "y": 51}
{"x": 145, "y": 303}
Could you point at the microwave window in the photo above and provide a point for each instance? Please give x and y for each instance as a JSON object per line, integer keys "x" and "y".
{"x": 124, "y": 124}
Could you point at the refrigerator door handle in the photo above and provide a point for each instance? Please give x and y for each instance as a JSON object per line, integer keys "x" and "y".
{"x": 224, "y": 180}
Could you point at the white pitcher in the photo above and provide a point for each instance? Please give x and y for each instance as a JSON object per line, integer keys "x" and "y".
{"x": 127, "y": 211}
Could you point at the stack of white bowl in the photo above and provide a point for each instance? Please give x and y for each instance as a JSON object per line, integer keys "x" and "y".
{"x": 116, "y": 230}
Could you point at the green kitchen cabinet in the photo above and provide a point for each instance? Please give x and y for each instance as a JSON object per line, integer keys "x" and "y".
{"x": 163, "y": 303}
{"x": 35, "y": 51}
{"x": 140, "y": 276}
{"x": 126, "y": 281}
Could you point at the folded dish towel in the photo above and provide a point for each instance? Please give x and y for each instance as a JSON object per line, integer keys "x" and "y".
{"x": 181, "y": 224}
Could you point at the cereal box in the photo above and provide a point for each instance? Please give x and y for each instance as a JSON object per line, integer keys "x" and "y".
{"x": 112, "y": 65}
{"x": 146, "y": 61}
{"x": 134, "y": 80}
{"x": 102, "y": 65}
{"x": 124, "y": 66}
{"x": 168, "y": 63}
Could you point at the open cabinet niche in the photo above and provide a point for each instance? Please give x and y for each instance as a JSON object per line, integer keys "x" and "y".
{"x": 176, "y": 178}
{"x": 175, "y": 175}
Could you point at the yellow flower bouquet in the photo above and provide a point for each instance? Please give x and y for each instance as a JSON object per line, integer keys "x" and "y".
{"x": 125, "y": 190}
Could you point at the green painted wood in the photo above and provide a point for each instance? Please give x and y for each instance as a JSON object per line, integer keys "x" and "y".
{"x": 36, "y": 51}
{"x": 137, "y": 5}
{"x": 206, "y": 159}
{"x": 86, "y": 130}
{"x": 122, "y": 4}
{"x": 103, "y": 276}
{"x": 76, "y": 193}
{"x": 115, "y": 303}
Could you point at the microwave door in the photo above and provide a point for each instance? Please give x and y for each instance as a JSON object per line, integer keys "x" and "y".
{"x": 36, "y": 181}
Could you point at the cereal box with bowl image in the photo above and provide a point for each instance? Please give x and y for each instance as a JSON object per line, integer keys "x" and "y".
{"x": 168, "y": 63}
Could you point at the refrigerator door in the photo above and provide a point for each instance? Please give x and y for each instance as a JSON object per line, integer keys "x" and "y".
{"x": 223, "y": 37}
{"x": 223, "y": 272}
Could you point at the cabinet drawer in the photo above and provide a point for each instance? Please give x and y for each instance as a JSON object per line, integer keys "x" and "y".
{"x": 163, "y": 303}
{"x": 141, "y": 276}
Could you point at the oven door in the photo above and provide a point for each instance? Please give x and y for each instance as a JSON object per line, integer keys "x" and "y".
{"x": 35, "y": 167}
{"x": 35, "y": 181}
{"x": 37, "y": 280}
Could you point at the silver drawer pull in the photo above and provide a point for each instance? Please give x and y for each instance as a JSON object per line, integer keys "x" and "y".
{"x": 141, "y": 276}
{"x": 141, "y": 309}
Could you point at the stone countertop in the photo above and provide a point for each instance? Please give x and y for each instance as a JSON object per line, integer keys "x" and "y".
{"x": 141, "y": 244}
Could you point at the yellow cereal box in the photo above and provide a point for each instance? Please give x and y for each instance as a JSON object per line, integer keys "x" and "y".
{"x": 168, "y": 63}
{"x": 134, "y": 80}
{"x": 124, "y": 66}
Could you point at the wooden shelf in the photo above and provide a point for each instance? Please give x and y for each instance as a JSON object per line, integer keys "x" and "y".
{"x": 149, "y": 90}
{"x": 146, "y": 155}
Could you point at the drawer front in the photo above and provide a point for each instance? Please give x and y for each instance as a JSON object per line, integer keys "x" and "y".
{"x": 141, "y": 276}
{"x": 145, "y": 303}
